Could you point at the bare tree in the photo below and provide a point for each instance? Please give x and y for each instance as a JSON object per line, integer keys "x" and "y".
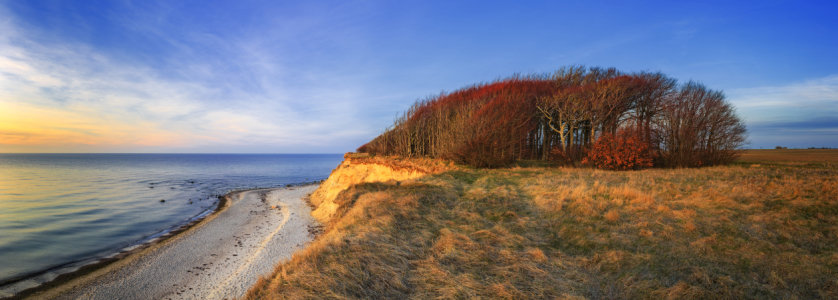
{"x": 698, "y": 127}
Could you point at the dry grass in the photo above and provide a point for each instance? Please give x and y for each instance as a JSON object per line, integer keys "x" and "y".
{"x": 723, "y": 232}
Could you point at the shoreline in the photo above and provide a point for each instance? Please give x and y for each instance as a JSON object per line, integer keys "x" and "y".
{"x": 135, "y": 249}
{"x": 121, "y": 260}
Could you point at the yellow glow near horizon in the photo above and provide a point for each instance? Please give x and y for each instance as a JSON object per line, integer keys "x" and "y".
{"x": 28, "y": 126}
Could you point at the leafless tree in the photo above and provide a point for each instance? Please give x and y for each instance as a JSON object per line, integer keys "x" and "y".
{"x": 698, "y": 127}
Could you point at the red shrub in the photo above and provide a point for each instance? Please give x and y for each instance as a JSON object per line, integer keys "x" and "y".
{"x": 624, "y": 151}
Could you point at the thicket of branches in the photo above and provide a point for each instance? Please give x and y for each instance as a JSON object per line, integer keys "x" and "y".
{"x": 563, "y": 114}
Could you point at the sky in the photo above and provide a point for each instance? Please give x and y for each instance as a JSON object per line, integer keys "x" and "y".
{"x": 328, "y": 76}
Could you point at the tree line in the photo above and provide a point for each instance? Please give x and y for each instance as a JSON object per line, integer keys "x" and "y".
{"x": 569, "y": 116}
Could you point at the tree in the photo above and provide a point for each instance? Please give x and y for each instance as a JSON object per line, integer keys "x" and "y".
{"x": 649, "y": 100}
{"x": 523, "y": 117}
{"x": 698, "y": 127}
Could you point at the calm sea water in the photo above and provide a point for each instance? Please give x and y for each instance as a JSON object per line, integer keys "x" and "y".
{"x": 59, "y": 211}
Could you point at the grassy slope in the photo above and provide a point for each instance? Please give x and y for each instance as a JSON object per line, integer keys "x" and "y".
{"x": 765, "y": 231}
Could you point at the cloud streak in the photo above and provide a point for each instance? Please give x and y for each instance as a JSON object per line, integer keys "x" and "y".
{"x": 263, "y": 76}
{"x": 799, "y": 114}
{"x": 239, "y": 97}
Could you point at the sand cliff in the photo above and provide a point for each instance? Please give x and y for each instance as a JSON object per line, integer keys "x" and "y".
{"x": 359, "y": 168}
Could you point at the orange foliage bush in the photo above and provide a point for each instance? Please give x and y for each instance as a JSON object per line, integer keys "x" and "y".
{"x": 625, "y": 151}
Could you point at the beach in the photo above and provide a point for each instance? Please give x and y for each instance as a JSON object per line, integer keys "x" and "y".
{"x": 220, "y": 257}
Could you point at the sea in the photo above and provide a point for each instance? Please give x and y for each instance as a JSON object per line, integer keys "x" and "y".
{"x": 59, "y": 212}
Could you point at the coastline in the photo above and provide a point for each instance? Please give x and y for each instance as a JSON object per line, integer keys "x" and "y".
{"x": 88, "y": 276}
{"x": 136, "y": 249}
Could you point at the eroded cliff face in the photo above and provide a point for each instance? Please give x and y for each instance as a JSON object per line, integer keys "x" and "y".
{"x": 356, "y": 169}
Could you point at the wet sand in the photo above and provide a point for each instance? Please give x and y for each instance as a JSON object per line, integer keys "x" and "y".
{"x": 221, "y": 257}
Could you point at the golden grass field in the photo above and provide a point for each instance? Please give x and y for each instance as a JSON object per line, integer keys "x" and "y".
{"x": 764, "y": 228}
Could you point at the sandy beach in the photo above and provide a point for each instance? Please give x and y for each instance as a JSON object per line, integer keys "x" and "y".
{"x": 221, "y": 257}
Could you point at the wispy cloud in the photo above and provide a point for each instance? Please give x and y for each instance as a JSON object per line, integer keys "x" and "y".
{"x": 315, "y": 76}
{"x": 239, "y": 93}
{"x": 799, "y": 113}
{"x": 816, "y": 93}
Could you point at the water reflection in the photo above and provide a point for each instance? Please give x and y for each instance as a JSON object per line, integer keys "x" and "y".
{"x": 60, "y": 208}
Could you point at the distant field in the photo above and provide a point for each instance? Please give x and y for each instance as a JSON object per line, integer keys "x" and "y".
{"x": 786, "y": 156}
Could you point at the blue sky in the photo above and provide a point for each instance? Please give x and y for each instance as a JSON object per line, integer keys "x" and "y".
{"x": 327, "y": 76}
